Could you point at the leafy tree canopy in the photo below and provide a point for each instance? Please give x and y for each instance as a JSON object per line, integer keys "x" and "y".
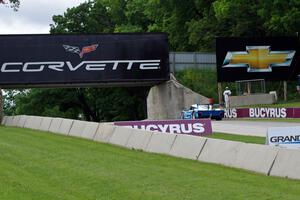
{"x": 12, "y": 3}
{"x": 191, "y": 25}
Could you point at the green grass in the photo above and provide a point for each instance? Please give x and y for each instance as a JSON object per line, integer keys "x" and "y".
{"x": 291, "y": 104}
{"x": 239, "y": 138}
{"x": 42, "y": 166}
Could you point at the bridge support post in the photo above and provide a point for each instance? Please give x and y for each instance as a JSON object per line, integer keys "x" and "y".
{"x": 220, "y": 92}
{"x": 285, "y": 90}
{"x": 167, "y": 100}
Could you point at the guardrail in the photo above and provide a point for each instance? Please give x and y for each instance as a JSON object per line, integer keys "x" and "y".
{"x": 258, "y": 158}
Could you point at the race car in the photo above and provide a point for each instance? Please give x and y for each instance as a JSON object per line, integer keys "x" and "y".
{"x": 197, "y": 111}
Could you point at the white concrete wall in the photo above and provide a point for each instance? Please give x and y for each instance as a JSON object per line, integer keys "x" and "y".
{"x": 252, "y": 99}
{"x": 77, "y": 128}
{"x": 4, "y": 120}
{"x": 65, "y": 126}
{"x": 258, "y": 158}
{"x": 220, "y": 152}
{"x": 287, "y": 164}
{"x": 55, "y": 125}
{"x": 161, "y": 142}
{"x": 9, "y": 121}
{"x": 120, "y": 136}
{"x": 22, "y": 121}
{"x": 104, "y": 132}
{"x": 45, "y": 124}
{"x": 90, "y": 130}
{"x": 139, "y": 139}
{"x": 186, "y": 146}
{"x": 15, "y": 120}
{"x": 254, "y": 157}
{"x": 33, "y": 122}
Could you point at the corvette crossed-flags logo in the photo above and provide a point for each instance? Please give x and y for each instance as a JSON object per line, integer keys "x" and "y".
{"x": 84, "y": 50}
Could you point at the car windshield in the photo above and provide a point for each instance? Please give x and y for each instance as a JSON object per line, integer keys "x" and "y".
{"x": 199, "y": 107}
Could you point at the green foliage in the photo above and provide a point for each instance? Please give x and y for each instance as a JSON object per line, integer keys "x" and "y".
{"x": 205, "y": 82}
{"x": 88, "y": 17}
{"x": 244, "y": 18}
{"x": 106, "y": 104}
{"x": 12, "y": 3}
{"x": 201, "y": 81}
{"x": 191, "y": 25}
{"x": 42, "y": 166}
{"x": 92, "y": 104}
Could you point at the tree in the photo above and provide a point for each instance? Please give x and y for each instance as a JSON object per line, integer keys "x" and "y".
{"x": 91, "y": 104}
{"x": 88, "y": 17}
{"x": 191, "y": 25}
{"x": 13, "y": 3}
{"x": 245, "y": 18}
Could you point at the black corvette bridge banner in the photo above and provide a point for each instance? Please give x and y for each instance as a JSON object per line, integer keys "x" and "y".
{"x": 58, "y": 60}
{"x": 269, "y": 58}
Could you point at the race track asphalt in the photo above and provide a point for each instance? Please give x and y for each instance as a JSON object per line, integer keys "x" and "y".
{"x": 252, "y": 128}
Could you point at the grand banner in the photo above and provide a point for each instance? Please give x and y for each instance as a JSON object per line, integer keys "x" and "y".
{"x": 113, "y": 59}
{"x": 198, "y": 127}
{"x": 269, "y": 58}
{"x": 262, "y": 113}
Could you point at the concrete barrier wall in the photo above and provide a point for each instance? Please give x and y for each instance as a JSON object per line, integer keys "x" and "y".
{"x": 186, "y": 146}
{"x": 33, "y": 122}
{"x": 77, "y": 128}
{"x": 161, "y": 142}
{"x": 104, "y": 132}
{"x": 9, "y": 121}
{"x": 139, "y": 139}
{"x": 45, "y": 124}
{"x": 254, "y": 157}
{"x": 120, "y": 136}
{"x": 236, "y": 101}
{"x": 22, "y": 121}
{"x": 287, "y": 164}
{"x": 259, "y": 158}
{"x": 90, "y": 130}
{"x": 65, "y": 126}
{"x": 55, "y": 125}
{"x": 28, "y": 121}
{"x": 220, "y": 152}
{"x": 16, "y": 120}
{"x": 13, "y": 120}
{"x": 3, "y": 120}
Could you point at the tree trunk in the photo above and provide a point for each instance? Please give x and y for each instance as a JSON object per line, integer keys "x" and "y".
{"x": 89, "y": 114}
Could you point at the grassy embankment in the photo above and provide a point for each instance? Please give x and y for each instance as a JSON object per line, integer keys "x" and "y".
{"x": 38, "y": 165}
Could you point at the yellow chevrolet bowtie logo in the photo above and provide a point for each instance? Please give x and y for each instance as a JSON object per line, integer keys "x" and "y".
{"x": 259, "y": 59}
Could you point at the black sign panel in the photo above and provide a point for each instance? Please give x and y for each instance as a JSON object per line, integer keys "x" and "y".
{"x": 113, "y": 59}
{"x": 270, "y": 58}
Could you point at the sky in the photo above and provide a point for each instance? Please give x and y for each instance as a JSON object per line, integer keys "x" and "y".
{"x": 33, "y": 16}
